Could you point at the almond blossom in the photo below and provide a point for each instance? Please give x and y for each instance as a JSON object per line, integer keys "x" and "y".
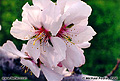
{"x": 33, "y": 26}
{"x": 74, "y": 31}
{"x": 56, "y": 32}
{"x": 30, "y": 62}
{"x": 26, "y": 57}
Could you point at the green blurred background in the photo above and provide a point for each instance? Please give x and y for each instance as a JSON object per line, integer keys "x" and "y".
{"x": 102, "y": 56}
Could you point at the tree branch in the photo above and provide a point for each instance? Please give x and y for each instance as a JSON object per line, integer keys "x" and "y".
{"x": 114, "y": 69}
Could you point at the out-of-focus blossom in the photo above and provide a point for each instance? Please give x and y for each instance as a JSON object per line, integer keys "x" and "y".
{"x": 4, "y": 54}
{"x": 27, "y": 59}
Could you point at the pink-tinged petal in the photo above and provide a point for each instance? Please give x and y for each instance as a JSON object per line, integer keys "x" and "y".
{"x": 10, "y": 47}
{"x": 33, "y": 50}
{"x": 25, "y": 15}
{"x": 33, "y": 67}
{"x": 42, "y": 4}
{"x": 21, "y": 30}
{"x": 32, "y": 14}
{"x": 59, "y": 70}
{"x": 23, "y": 48}
{"x": 45, "y": 61}
{"x": 49, "y": 15}
{"x": 52, "y": 18}
{"x": 50, "y": 74}
{"x": 54, "y": 30}
{"x": 84, "y": 36}
{"x": 6, "y": 54}
{"x": 53, "y": 59}
{"x": 84, "y": 45}
{"x": 65, "y": 4}
{"x": 47, "y": 55}
{"x": 74, "y": 57}
{"x": 50, "y": 57}
{"x": 59, "y": 46}
{"x": 63, "y": 71}
{"x": 76, "y": 29}
{"x": 83, "y": 22}
{"x": 78, "y": 12}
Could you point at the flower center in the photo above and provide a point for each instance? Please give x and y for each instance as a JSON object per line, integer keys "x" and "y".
{"x": 62, "y": 30}
{"x": 64, "y": 33}
{"x": 42, "y": 34}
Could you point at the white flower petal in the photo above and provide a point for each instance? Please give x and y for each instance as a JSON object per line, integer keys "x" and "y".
{"x": 74, "y": 57}
{"x": 25, "y": 15}
{"x": 76, "y": 29}
{"x": 21, "y": 30}
{"x": 6, "y": 54}
{"x": 50, "y": 74}
{"x": 84, "y": 45}
{"x": 84, "y": 36}
{"x": 59, "y": 70}
{"x": 32, "y": 14}
{"x": 44, "y": 60}
{"x": 83, "y": 22}
{"x": 78, "y": 12}
{"x": 53, "y": 58}
{"x": 10, "y": 47}
{"x": 33, "y": 67}
{"x": 52, "y": 19}
{"x": 62, "y": 70}
{"x": 50, "y": 57}
{"x": 23, "y": 48}
{"x": 59, "y": 46}
{"x": 42, "y": 3}
{"x": 54, "y": 30}
{"x": 65, "y": 4}
{"x": 50, "y": 14}
{"x": 33, "y": 50}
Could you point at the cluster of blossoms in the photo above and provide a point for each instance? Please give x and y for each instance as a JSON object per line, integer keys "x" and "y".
{"x": 56, "y": 34}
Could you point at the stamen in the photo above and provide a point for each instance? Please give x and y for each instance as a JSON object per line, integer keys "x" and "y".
{"x": 35, "y": 41}
{"x": 31, "y": 73}
{"x": 21, "y": 66}
{"x": 64, "y": 33}
{"x": 42, "y": 36}
{"x": 38, "y": 37}
{"x": 68, "y": 38}
{"x": 25, "y": 71}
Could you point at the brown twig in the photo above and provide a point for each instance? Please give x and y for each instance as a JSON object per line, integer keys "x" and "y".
{"x": 114, "y": 69}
